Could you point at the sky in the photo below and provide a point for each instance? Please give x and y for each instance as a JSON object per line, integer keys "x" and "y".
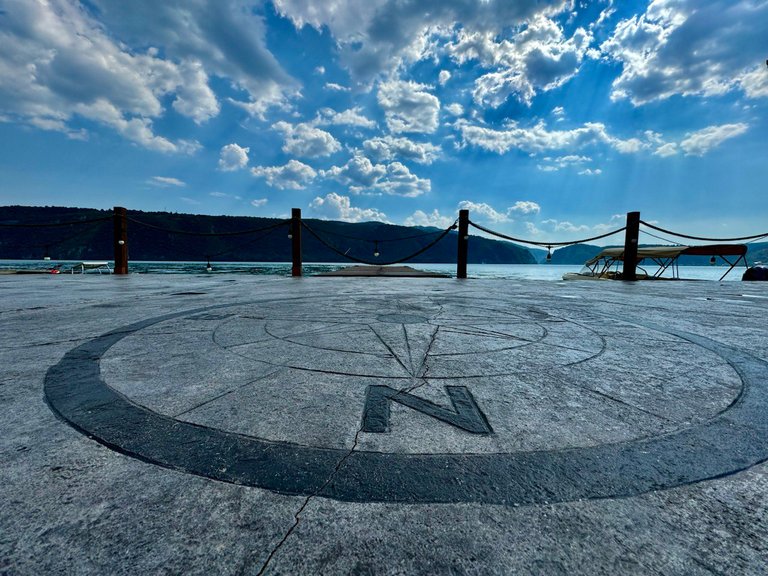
{"x": 547, "y": 119}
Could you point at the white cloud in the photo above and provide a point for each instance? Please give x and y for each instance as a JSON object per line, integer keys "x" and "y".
{"x": 233, "y": 157}
{"x": 668, "y": 149}
{"x": 690, "y": 47}
{"x": 259, "y": 202}
{"x": 380, "y": 36}
{"x": 306, "y": 141}
{"x": 60, "y": 64}
{"x": 364, "y": 177}
{"x": 525, "y": 207}
{"x": 565, "y": 226}
{"x": 443, "y": 77}
{"x": 554, "y": 164}
{"x": 590, "y": 172}
{"x": 226, "y": 36}
{"x": 359, "y": 172}
{"x": 225, "y": 195}
{"x": 539, "y": 138}
{"x": 320, "y": 70}
{"x": 536, "y": 58}
{"x": 484, "y": 210}
{"x": 294, "y": 175}
{"x": 408, "y": 107}
{"x": 434, "y": 218}
{"x": 333, "y": 87}
{"x": 166, "y": 182}
{"x": 455, "y": 109}
{"x": 350, "y": 117}
{"x": 388, "y": 148}
{"x": 701, "y": 142}
{"x": 337, "y": 207}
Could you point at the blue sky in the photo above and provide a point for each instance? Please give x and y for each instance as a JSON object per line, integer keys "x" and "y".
{"x": 548, "y": 119}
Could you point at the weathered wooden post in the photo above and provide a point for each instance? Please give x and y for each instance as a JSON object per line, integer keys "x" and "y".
{"x": 120, "y": 224}
{"x": 296, "y": 241}
{"x": 631, "y": 236}
{"x": 461, "y": 260}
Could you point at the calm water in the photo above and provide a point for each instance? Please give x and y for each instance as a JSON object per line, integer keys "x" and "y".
{"x": 510, "y": 271}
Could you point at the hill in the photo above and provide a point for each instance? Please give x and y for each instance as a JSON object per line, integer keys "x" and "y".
{"x": 86, "y": 234}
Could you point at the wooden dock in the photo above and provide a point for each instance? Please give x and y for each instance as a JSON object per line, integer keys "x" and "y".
{"x": 390, "y": 271}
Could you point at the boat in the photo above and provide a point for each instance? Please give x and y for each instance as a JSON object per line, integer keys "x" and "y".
{"x": 608, "y": 264}
{"x": 85, "y": 267}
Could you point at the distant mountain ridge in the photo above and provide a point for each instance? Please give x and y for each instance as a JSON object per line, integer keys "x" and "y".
{"x": 150, "y": 237}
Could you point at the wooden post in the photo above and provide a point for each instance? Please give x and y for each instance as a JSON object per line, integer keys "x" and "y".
{"x": 120, "y": 222}
{"x": 461, "y": 260}
{"x": 296, "y": 241}
{"x": 630, "y": 246}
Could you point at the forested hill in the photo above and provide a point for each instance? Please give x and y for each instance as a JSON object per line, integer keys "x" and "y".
{"x": 157, "y": 236}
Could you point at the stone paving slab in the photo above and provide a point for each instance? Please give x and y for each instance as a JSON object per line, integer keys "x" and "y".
{"x": 247, "y": 425}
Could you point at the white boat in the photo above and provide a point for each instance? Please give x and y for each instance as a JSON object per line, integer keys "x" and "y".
{"x": 84, "y": 267}
{"x": 609, "y": 263}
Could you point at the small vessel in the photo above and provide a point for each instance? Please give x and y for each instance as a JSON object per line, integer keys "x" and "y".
{"x": 608, "y": 264}
{"x": 85, "y": 267}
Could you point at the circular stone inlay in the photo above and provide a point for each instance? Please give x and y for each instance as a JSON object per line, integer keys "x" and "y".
{"x": 451, "y": 344}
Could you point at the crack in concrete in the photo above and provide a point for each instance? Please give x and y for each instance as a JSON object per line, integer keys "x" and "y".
{"x": 297, "y": 514}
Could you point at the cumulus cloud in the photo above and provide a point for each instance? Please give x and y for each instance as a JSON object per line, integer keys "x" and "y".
{"x": 434, "y": 218}
{"x": 294, "y": 175}
{"x": 233, "y": 157}
{"x": 226, "y": 36}
{"x": 538, "y": 58}
{"x": 443, "y": 77}
{"x": 364, "y": 177}
{"x": 60, "y": 64}
{"x": 668, "y": 149}
{"x": 259, "y": 202}
{"x": 379, "y": 36}
{"x": 489, "y": 213}
{"x": 700, "y": 142}
{"x": 539, "y": 138}
{"x": 350, "y": 117}
{"x": 691, "y": 48}
{"x": 525, "y": 207}
{"x": 388, "y": 148}
{"x": 306, "y": 141}
{"x": 167, "y": 182}
{"x": 455, "y": 109}
{"x": 337, "y": 207}
{"x": 483, "y": 210}
{"x": 590, "y": 172}
{"x": 408, "y": 107}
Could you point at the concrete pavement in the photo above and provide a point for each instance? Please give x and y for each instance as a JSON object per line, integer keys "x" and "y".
{"x": 245, "y": 425}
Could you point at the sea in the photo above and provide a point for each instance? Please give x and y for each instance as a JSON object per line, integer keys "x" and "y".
{"x": 553, "y": 272}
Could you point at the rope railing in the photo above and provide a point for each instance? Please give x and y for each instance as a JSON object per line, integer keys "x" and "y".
{"x": 397, "y": 239}
{"x": 192, "y": 233}
{"x": 334, "y": 249}
{"x": 702, "y": 238}
{"x": 541, "y": 243}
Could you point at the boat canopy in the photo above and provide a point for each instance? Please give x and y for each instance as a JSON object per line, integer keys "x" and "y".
{"x": 665, "y": 257}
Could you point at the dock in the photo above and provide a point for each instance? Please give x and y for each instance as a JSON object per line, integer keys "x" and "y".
{"x": 388, "y": 271}
{"x": 216, "y": 424}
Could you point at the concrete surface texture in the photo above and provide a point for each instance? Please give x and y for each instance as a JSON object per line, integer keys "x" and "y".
{"x": 247, "y": 425}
